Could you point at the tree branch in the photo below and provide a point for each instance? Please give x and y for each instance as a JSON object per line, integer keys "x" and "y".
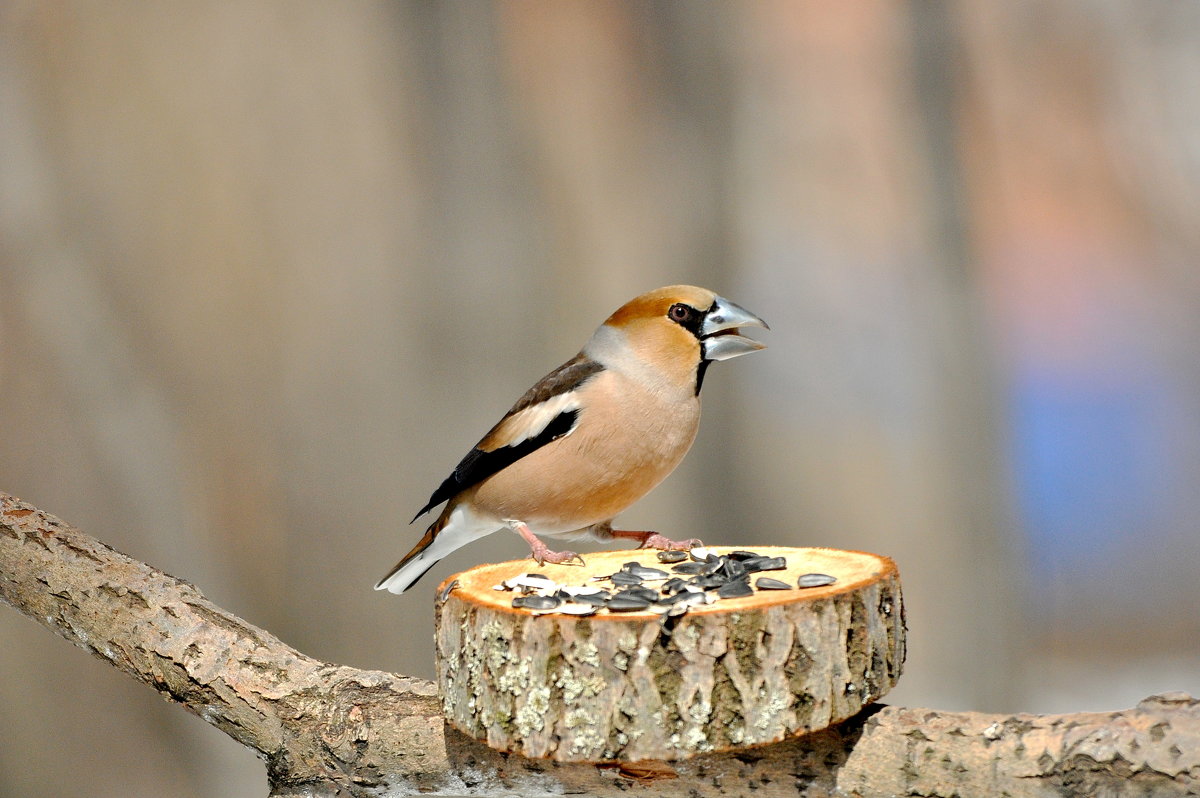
{"x": 328, "y": 730}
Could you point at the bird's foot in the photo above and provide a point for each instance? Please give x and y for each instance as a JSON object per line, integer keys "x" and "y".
{"x": 543, "y": 555}
{"x": 541, "y": 552}
{"x": 657, "y": 541}
{"x": 653, "y": 540}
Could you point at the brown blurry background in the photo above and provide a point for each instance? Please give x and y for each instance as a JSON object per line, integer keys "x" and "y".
{"x": 267, "y": 270}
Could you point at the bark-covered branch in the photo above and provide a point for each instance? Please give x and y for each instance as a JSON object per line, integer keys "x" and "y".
{"x": 327, "y": 729}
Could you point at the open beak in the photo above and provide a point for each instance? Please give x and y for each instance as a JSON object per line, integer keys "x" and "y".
{"x": 719, "y": 331}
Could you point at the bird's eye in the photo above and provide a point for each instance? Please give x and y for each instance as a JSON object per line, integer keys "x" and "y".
{"x": 680, "y": 312}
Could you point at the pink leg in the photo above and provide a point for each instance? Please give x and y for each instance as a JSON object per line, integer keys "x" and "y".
{"x": 653, "y": 540}
{"x": 540, "y": 551}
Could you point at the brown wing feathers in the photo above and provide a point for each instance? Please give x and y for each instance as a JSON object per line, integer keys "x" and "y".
{"x": 535, "y": 420}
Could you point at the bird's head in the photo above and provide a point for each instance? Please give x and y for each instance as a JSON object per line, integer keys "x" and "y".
{"x": 676, "y": 331}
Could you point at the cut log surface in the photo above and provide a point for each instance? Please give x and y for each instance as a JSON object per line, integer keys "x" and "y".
{"x": 632, "y": 686}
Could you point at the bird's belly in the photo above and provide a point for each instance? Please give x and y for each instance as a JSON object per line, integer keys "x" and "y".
{"x": 585, "y": 478}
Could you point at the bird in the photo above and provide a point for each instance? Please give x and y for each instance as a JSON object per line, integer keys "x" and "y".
{"x": 591, "y": 437}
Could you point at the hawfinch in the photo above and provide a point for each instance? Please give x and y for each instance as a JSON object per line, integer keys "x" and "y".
{"x": 591, "y": 437}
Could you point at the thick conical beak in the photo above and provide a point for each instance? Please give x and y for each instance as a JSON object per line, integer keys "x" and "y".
{"x": 718, "y": 332}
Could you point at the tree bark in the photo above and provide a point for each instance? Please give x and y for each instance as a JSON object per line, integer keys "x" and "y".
{"x": 632, "y": 686}
{"x": 326, "y": 730}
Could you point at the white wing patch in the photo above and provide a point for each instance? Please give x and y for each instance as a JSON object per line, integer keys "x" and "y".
{"x": 529, "y": 422}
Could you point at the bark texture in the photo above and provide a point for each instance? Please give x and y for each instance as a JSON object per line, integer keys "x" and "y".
{"x": 328, "y": 730}
{"x": 635, "y": 686}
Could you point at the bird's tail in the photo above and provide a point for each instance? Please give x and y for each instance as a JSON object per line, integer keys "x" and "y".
{"x": 442, "y": 537}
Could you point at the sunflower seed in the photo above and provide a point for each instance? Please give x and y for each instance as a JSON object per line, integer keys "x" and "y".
{"x": 707, "y": 581}
{"x": 816, "y": 580}
{"x": 624, "y": 579}
{"x": 529, "y": 582}
{"x": 689, "y": 568}
{"x": 733, "y": 569}
{"x": 648, "y": 574}
{"x": 765, "y": 564}
{"x": 619, "y": 603}
{"x": 735, "y": 590}
{"x": 445, "y": 592}
{"x": 574, "y": 608}
{"x": 701, "y": 554}
{"x": 649, "y": 594}
{"x": 673, "y": 585}
{"x": 592, "y": 599}
{"x": 743, "y": 555}
{"x": 536, "y": 602}
{"x": 686, "y": 599}
{"x": 767, "y": 583}
{"x": 581, "y": 590}
{"x": 682, "y": 595}
{"x": 672, "y": 556}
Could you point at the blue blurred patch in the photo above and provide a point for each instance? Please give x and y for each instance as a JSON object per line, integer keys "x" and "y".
{"x": 1093, "y": 462}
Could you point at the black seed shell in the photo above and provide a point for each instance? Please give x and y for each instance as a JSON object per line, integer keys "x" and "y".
{"x": 766, "y": 564}
{"x": 733, "y": 569}
{"x": 676, "y": 598}
{"x": 596, "y": 600}
{"x": 708, "y": 582}
{"x": 816, "y": 580}
{"x": 619, "y": 603}
{"x": 646, "y": 593}
{"x": 736, "y": 589}
{"x": 689, "y": 568}
{"x": 536, "y": 602}
{"x": 673, "y": 585}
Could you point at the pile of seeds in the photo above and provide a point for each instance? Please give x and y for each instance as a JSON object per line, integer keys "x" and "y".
{"x": 697, "y": 577}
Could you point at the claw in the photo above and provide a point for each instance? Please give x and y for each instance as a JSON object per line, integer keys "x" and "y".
{"x": 539, "y": 551}
{"x": 653, "y": 540}
{"x": 657, "y": 541}
{"x": 543, "y": 555}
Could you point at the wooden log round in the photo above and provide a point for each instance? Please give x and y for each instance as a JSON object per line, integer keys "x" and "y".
{"x": 625, "y": 687}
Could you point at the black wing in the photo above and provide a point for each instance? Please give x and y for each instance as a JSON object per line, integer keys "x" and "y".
{"x": 481, "y": 463}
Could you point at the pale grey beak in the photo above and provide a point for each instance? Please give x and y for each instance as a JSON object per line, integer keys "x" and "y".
{"x": 718, "y": 332}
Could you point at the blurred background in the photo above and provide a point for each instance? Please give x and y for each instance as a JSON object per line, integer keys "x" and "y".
{"x": 268, "y": 270}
